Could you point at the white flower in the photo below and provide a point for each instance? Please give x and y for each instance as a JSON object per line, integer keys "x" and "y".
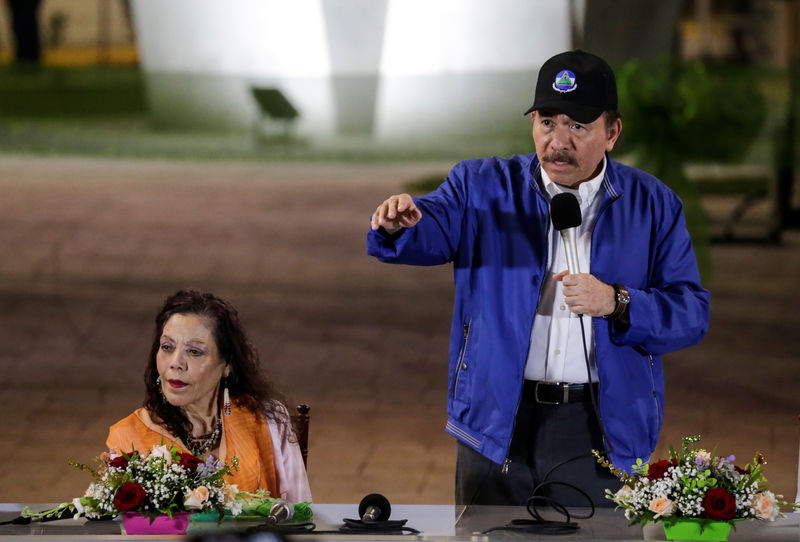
{"x": 229, "y": 492}
{"x": 161, "y": 451}
{"x": 195, "y": 499}
{"x": 235, "y": 507}
{"x": 624, "y": 495}
{"x": 76, "y": 502}
{"x": 765, "y": 506}
{"x": 94, "y": 491}
{"x": 629, "y": 514}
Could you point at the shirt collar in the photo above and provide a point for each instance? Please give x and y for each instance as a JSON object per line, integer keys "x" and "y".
{"x": 585, "y": 192}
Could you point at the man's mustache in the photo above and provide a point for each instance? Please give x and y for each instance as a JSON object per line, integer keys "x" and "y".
{"x": 560, "y": 157}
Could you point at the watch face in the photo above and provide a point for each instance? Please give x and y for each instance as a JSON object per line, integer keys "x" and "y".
{"x": 623, "y": 297}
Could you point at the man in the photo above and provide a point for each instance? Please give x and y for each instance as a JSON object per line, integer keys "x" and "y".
{"x": 522, "y": 385}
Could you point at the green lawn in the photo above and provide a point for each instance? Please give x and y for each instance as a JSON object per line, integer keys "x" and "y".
{"x": 103, "y": 112}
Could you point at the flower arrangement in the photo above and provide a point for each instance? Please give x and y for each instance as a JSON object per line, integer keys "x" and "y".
{"x": 697, "y": 484}
{"x": 166, "y": 481}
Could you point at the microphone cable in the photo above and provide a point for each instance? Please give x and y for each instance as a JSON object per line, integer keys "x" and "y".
{"x": 307, "y": 527}
{"x": 609, "y": 447}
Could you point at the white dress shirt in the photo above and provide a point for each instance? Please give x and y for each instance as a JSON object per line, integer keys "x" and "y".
{"x": 556, "y": 354}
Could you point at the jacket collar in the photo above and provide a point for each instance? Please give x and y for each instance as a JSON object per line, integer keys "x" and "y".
{"x": 610, "y": 182}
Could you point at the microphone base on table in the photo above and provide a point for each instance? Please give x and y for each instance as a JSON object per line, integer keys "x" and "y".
{"x": 282, "y": 528}
{"x": 394, "y": 526}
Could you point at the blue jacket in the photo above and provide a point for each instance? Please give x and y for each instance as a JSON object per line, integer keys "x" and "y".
{"x": 490, "y": 219}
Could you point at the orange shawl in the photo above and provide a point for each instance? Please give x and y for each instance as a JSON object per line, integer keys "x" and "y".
{"x": 245, "y": 434}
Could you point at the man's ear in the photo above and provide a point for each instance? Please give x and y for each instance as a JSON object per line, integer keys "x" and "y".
{"x": 612, "y": 134}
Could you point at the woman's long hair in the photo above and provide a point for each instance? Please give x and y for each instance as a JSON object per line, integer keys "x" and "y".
{"x": 247, "y": 385}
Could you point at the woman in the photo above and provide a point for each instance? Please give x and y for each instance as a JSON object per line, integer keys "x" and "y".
{"x": 206, "y": 393}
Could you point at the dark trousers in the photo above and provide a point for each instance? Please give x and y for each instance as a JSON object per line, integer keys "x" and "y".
{"x": 544, "y": 436}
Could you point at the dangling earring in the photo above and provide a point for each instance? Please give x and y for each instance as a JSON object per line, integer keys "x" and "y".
{"x": 226, "y": 399}
{"x": 160, "y": 389}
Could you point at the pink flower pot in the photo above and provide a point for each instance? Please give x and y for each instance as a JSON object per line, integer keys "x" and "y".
{"x": 136, "y": 523}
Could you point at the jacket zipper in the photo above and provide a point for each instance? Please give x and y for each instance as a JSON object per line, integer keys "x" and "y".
{"x": 460, "y": 364}
{"x": 507, "y": 462}
{"x": 653, "y": 386}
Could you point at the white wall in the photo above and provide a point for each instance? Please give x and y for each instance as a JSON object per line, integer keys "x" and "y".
{"x": 391, "y": 70}
{"x": 455, "y": 66}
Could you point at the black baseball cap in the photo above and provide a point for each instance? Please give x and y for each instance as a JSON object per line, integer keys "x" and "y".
{"x": 577, "y": 83}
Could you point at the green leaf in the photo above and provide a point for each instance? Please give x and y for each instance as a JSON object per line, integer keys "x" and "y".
{"x": 302, "y": 511}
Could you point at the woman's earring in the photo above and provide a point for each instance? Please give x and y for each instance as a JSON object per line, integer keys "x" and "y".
{"x": 226, "y": 399}
{"x": 160, "y": 389}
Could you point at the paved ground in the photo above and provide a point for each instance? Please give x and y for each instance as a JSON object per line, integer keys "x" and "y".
{"x": 91, "y": 247}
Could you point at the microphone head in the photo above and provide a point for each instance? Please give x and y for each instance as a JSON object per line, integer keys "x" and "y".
{"x": 281, "y": 510}
{"x": 377, "y": 501}
{"x": 565, "y": 212}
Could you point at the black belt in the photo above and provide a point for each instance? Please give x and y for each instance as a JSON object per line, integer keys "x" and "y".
{"x": 558, "y": 393}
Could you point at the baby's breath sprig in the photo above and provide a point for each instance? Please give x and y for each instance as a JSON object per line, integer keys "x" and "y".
{"x": 687, "y": 442}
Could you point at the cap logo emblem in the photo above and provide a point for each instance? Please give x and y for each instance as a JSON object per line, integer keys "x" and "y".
{"x": 565, "y": 81}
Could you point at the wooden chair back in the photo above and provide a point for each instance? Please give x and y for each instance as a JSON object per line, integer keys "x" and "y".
{"x": 300, "y": 421}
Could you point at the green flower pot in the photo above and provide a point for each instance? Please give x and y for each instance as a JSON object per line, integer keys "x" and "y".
{"x": 696, "y": 529}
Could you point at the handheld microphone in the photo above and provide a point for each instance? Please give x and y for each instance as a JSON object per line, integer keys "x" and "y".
{"x": 565, "y": 212}
{"x": 374, "y": 507}
{"x": 280, "y": 510}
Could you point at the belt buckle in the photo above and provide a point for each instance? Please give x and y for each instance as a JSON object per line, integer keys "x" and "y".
{"x": 564, "y": 387}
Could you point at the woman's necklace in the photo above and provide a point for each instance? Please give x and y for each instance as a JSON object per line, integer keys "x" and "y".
{"x": 204, "y": 443}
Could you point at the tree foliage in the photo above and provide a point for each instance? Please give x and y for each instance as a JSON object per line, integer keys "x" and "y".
{"x": 677, "y": 112}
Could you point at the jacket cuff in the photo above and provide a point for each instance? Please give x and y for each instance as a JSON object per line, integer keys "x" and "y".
{"x": 390, "y": 237}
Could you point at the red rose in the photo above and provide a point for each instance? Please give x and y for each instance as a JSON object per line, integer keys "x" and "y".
{"x": 129, "y": 496}
{"x": 719, "y": 504}
{"x": 657, "y": 470}
{"x": 120, "y": 462}
{"x": 189, "y": 461}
